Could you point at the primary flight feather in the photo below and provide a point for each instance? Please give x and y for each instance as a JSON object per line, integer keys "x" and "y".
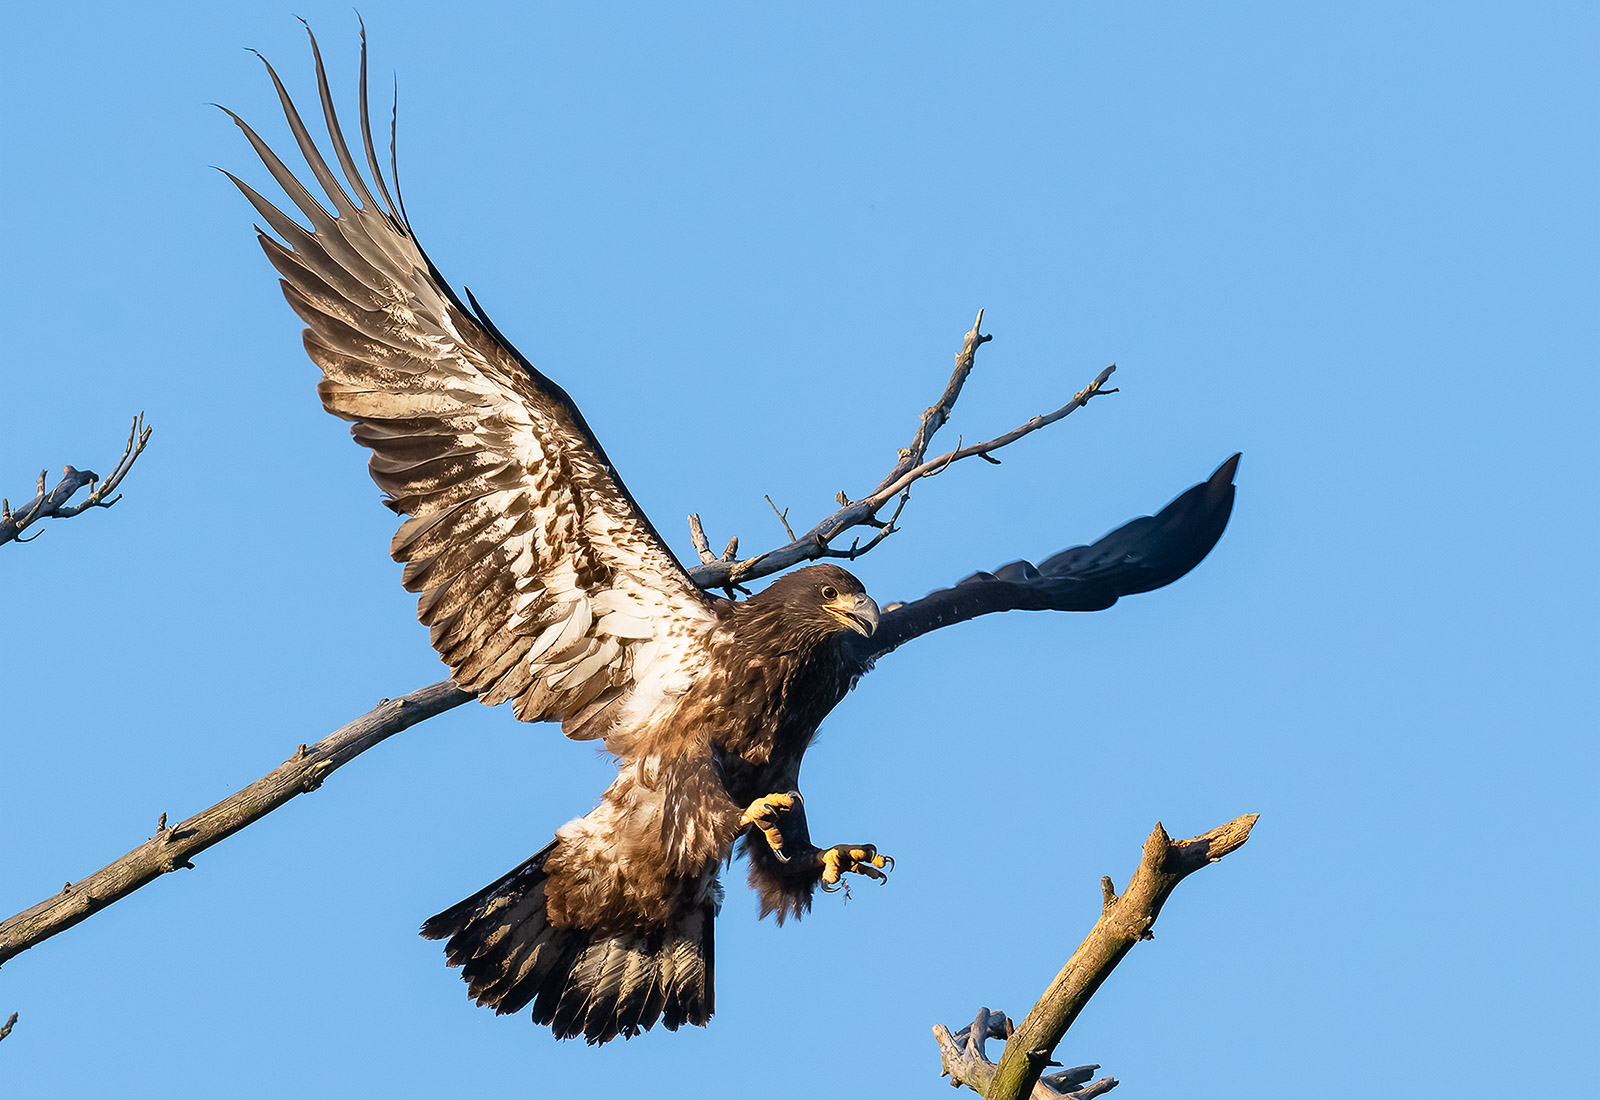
{"x": 542, "y": 584}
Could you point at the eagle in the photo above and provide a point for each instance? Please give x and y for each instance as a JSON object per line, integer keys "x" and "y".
{"x": 543, "y": 585}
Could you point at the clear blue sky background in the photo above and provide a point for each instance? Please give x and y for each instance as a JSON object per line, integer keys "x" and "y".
{"x": 1356, "y": 241}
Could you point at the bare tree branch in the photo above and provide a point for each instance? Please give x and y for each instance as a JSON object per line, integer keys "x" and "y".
{"x": 697, "y": 535}
{"x": 1124, "y": 921}
{"x": 9, "y": 1024}
{"x": 966, "y": 1062}
{"x": 911, "y": 466}
{"x": 935, "y": 416}
{"x": 172, "y": 848}
{"x": 53, "y": 503}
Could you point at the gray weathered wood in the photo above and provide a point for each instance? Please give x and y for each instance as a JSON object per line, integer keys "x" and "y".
{"x": 1124, "y": 921}
{"x": 54, "y": 503}
{"x": 910, "y": 466}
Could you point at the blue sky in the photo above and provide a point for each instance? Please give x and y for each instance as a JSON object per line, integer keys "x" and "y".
{"x": 1356, "y": 242}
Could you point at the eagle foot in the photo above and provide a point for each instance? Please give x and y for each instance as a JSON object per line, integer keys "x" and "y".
{"x": 766, "y": 812}
{"x": 853, "y": 859}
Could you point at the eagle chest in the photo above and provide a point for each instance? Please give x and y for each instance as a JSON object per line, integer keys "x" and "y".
{"x": 767, "y": 711}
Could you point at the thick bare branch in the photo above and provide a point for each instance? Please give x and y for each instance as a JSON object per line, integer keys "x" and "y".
{"x": 963, "y": 1056}
{"x": 966, "y": 1062}
{"x": 1124, "y": 921}
{"x": 172, "y": 848}
{"x": 910, "y": 466}
{"x": 55, "y": 503}
{"x": 9, "y": 1024}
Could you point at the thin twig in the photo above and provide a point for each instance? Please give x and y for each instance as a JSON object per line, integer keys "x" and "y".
{"x": 54, "y": 503}
{"x": 783, "y": 516}
{"x": 171, "y": 848}
{"x": 1124, "y": 921}
{"x": 911, "y": 465}
{"x": 936, "y": 415}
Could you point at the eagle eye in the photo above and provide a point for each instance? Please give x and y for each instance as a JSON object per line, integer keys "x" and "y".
{"x": 829, "y": 592}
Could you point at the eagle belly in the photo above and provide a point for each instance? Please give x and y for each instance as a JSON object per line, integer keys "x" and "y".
{"x": 649, "y": 850}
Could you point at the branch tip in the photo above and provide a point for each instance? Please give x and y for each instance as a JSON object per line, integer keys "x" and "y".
{"x": 783, "y": 517}
{"x": 1124, "y": 921}
{"x": 911, "y": 465}
{"x": 54, "y": 503}
{"x": 697, "y": 536}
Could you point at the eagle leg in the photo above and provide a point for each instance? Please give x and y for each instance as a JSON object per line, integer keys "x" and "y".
{"x": 785, "y": 866}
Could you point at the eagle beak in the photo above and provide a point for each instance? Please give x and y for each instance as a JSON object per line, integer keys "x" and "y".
{"x": 859, "y": 613}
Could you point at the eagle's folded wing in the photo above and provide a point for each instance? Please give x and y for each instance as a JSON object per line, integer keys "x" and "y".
{"x": 540, "y": 579}
{"x": 1142, "y": 554}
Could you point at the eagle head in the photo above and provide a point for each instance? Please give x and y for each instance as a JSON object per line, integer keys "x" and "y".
{"x": 821, "y": 600}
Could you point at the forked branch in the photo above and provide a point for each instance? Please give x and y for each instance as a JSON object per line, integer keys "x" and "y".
{"x": 172, "y": 848}
{"x": 911, "y": 465}
{"x": 1124, "y": 921}
{"x": 966, "y": 1062}
{"x": 54, "y": 502}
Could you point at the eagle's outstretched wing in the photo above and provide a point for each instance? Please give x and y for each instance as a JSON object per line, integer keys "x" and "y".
{"x": 1142, "y": 554}
{"x": 540, "y": 579}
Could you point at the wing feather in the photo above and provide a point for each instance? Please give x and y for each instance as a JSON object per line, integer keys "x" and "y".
{"x": 540, "y": 580}
{"x": 1141, "y": 555}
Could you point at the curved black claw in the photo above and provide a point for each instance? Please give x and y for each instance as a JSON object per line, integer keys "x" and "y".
{"x": 854, "y": 859}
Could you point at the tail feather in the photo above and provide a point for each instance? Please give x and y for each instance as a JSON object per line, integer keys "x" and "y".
{"x": 646, "y": 1000}
{"x": 579, "y": 982}
{"x": 689, "y": 988}
{"x": 589, "y": 1002}
{"x": 639, "y": 987}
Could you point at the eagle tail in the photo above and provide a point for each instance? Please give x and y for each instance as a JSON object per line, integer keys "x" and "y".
{"x": 579, "y": 982}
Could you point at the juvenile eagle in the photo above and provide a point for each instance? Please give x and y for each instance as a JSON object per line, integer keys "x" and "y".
{"x": 543, "y": 584}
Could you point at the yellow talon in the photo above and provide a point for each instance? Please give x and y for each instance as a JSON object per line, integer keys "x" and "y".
{"x": 763, "y": 813}
{"x": 841, "y": 860}
{"x": 763, "y": 806}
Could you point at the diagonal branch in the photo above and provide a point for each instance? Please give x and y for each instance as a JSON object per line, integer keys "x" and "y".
{"x": 938, "y": 414}
{"x": 171, "y": 848}
{"x": 54, "y": 503}
{"x": 966, "y": 1062}
{"x": 1124, "y": 921}
{"x": 911, "y": 466}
